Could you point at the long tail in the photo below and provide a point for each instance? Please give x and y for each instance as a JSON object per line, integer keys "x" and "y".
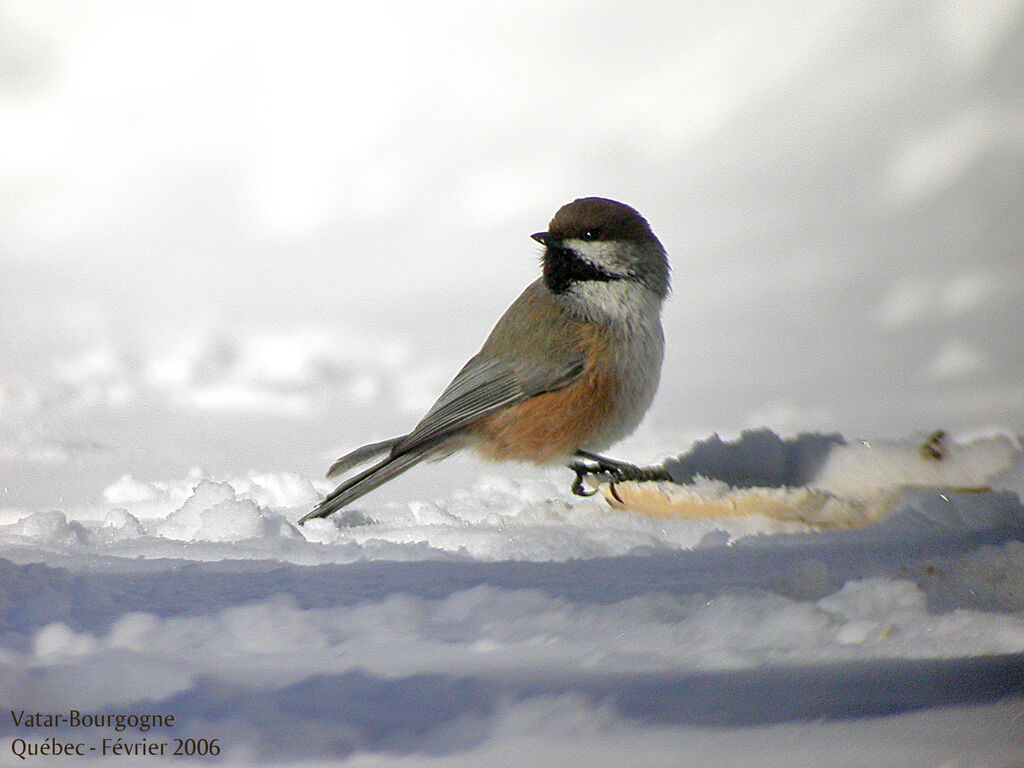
{"x": 362, "y": 455}
{"x": 364, "y": 482}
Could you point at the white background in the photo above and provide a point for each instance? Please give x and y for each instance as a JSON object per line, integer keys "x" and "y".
{"x": 245, "y": 235}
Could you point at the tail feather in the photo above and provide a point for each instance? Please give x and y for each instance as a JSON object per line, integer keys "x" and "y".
{"x": 364, "y": 482}
{"x": 362, "y": 455}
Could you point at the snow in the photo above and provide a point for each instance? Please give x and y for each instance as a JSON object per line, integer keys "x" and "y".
{"x": 878, "y": 464}
{"x": 238, "y": 243}
{"x": 513, "y": 613}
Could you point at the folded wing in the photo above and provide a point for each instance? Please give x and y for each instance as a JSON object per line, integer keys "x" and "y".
{"x": 484, "y": 385}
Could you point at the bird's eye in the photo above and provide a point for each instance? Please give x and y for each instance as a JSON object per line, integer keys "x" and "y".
{"x": 591, "y": 234}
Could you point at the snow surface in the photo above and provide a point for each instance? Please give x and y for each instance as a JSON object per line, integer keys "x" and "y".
{"x": 514, "y": 616}
{"x": 237, "y": 242}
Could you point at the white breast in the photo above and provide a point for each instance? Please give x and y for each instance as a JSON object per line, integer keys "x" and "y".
{"x": 632, "y": 317}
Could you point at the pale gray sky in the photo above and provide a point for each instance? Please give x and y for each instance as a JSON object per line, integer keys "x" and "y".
{"x": 839, "y": 185}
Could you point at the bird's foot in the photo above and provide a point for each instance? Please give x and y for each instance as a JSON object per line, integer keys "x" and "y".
{"x": 613, "y": 472}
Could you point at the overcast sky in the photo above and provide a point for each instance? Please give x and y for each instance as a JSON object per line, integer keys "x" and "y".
{"x": 838, "y": 184}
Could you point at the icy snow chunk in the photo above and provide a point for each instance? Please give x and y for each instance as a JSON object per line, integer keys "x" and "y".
{"x": 859, "y": 469}
{"x": 10, "y": 515}
{"x": 120, "y": 525}
{"x": 760, "y": 458}
{"x": 231, "y": 521}
{"x": 49, "y": 527}
{"x": 205, "y": 496}
{"x": 213, "y": 513}
{"x": 321, "y": 531}
{"x": 278, "y": 489}
{"x": 149, "y": 500}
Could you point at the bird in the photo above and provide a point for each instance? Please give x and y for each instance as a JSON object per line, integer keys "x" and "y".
{"x": 570, "y": 368}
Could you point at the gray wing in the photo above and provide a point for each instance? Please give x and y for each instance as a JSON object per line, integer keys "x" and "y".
{"x": 484, "y": 385}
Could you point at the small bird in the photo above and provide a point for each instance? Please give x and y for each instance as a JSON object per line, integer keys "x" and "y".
{"x": 570, "y": 368}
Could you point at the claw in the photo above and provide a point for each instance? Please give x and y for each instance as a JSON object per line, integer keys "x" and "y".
{"x": 581, "y": 471}
{"x": 615, "y": 493}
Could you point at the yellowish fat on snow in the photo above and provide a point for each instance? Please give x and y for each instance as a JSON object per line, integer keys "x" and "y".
{"x": 709, "y": 499}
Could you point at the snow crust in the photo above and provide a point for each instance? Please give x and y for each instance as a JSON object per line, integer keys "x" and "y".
{"x": 497, "y": 519}
{"x": 438, "y": 630}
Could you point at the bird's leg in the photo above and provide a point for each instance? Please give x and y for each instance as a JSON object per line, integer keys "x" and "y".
{"x": 621, "y": 471}
{"x": 616, "y": 471}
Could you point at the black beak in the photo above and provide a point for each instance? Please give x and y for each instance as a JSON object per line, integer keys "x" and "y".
{"x": 543, "y": 238}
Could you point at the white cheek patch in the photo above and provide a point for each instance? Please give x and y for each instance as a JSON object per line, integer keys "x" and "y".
{"x": 609, "y": 255}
